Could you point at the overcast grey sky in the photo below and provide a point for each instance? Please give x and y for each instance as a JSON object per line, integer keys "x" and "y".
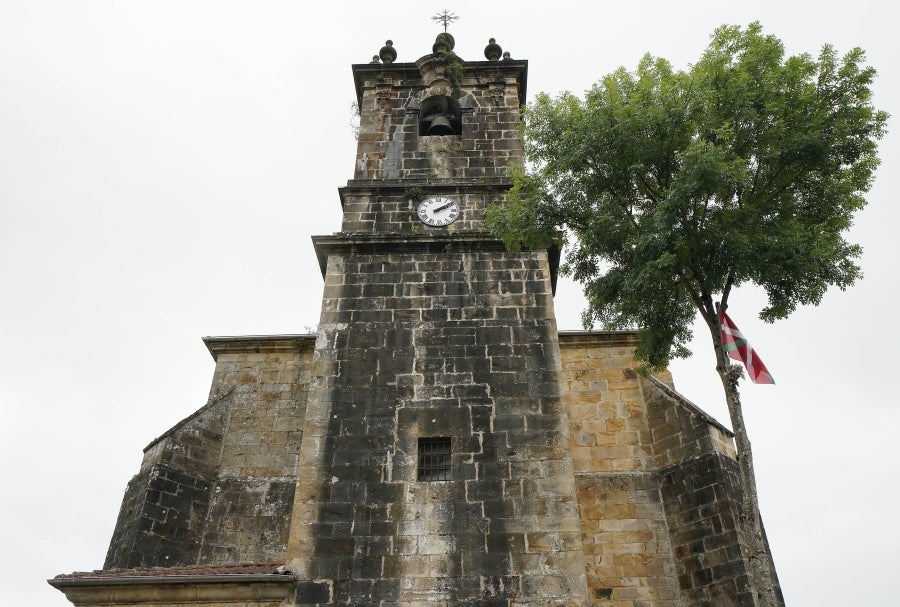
{"x": 163, "y": 165}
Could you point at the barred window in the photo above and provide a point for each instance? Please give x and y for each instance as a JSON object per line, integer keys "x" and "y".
{"x": 434, "y": 459}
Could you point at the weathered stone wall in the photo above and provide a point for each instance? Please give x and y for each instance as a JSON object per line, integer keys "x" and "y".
{"x": 701, "y": 493}
{"x": 390, "y": 208}
{"x": 604, "y": 401}
{"x": 455, "y": 344}
{"x": 162, "y": 517}
{"x": 627, "y": 551}
{"x": 250, "y": 507}
{"x": 390, "y": 146}
{"x": 218, "y": 487}
{"x": 435, "y": 332}
{"x": 658, "y": 486}
{"x": 702, "y": 500}
{"x": 679, "y": 430}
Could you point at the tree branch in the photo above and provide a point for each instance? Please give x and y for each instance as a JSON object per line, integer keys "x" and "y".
{"x": 727, "y": 290}
{"x": 692, "y": 292}
{"x": 651, "y": 193}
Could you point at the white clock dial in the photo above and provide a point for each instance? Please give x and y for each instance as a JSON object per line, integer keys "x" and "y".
{"x": 438, "y": 211}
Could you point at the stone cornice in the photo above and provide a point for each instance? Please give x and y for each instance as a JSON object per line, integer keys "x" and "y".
{"x": 407, "y": 74}
{"x": 354, "y": 243}
{"x": 598, "y": 338}
{"x": 259, "y": 344}
{"x": 176, "y": 589}
{"x": 433, "y": 186}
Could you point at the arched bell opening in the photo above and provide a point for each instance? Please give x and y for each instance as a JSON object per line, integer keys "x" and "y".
{"x": 440, "y": 115}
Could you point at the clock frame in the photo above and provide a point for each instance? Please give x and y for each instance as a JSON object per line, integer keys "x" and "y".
{"x": 438, "y": 211}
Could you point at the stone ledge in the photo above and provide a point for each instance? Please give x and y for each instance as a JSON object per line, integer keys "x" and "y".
{"x": 598, "y": 338}
{"x": 260, "y": 344}
{"x": 366, "y": 243}
{"x": 611, "y": 474}
{"x": 248, "y": 589}
{"x": 407, "y": 74}
{"x": 435, "y": 185}
{"x": 248, "y": 583}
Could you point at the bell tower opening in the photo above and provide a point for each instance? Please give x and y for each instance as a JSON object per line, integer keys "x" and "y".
{"x": 440, "y": 115}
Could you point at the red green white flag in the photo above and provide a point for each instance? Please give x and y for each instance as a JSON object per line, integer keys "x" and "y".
{"x": 737, "y": 347}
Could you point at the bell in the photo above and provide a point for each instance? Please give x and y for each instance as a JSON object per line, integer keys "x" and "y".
{"x": 440, "y": 125}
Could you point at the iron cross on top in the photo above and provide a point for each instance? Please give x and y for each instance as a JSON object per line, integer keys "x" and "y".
{"x": 445, "y": 18}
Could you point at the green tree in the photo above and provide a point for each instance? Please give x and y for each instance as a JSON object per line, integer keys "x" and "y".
{"x": 674, "y": 187}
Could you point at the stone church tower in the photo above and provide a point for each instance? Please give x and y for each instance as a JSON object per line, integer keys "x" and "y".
{"x": 438, "y": 440}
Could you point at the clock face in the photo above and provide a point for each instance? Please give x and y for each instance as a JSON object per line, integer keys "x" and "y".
{"x": 438, "y": 211}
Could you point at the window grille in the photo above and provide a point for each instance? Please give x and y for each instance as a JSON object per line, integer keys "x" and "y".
{"x": 434, "y": 459}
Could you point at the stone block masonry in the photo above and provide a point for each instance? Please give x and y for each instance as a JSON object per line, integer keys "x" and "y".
{"x": 568, "y": 463}
{"x": 391, "y": 146}
{"x": 701, "y": 493}
{"x": 628, "y": 557}
{"x": 450, "y": 344}
{"x": 218, "y": 487}
{"x": 658, "y": 491}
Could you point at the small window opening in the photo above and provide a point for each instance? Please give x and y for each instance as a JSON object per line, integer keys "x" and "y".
{"x": 434, "y": 459}
{"x": 440, "y": 115}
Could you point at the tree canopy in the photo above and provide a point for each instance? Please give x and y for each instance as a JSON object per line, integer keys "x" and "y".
{"x": 675, "y": 186}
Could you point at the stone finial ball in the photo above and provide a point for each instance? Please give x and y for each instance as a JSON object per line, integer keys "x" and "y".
{"x": 443, "y": 43}
{"x": 387, "y": 52}
{"x": 492, "y": 51}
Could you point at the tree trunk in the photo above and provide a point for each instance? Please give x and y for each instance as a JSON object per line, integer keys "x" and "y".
{"x": 760, "y": 561}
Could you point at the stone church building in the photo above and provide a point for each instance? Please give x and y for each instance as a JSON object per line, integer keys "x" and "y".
{"x": 438, "y": 440}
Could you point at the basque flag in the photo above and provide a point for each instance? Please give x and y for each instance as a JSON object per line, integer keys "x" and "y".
{"x": 738, "y": 348}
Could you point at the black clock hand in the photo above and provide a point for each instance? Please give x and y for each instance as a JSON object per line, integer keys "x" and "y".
{"x": 442, "y": 207}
